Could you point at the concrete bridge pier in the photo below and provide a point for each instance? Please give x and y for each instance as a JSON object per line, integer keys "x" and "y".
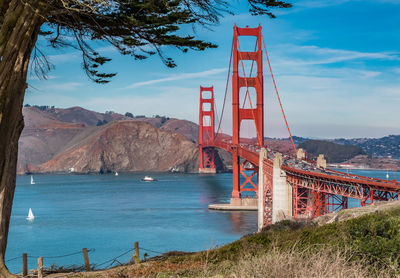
{"x": 281, "y": 193}
{"x": 275, "y": 195}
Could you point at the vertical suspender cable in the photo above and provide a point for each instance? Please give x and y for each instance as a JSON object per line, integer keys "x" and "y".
{"x": 279, "y": 99}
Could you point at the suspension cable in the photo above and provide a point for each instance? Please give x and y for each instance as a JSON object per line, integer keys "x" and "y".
{"x": 226, "y": 92}
{"x": 277, "y": 94}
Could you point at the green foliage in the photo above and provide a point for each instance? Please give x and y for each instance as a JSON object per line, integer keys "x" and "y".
{"x": 373, "y": 239}
{"x": 128, "y": 114}
{"x": 101, "y": 122}
{"x": 163, "y": 118}
{"x": 139, "y": 28}
{"x": 333, "y": 152}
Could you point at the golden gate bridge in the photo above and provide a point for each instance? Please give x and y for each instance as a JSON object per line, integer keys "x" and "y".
{"x": 287, "y": 186}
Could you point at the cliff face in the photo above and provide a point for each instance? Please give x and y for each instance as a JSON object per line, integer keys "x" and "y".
{"x": 55, "y": 140}
{"x": 126, "y": 146}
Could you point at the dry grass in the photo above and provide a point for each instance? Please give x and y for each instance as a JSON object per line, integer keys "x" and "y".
{"x": 276, "y": 263}
{"x": 293, "y": 264}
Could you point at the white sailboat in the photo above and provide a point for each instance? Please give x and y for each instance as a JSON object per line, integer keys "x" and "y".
{"x": 32, "y": 181}
{"x": 116, "y": 173}
{"x": 30, "y": 215}
{"x": 387, "y": 175}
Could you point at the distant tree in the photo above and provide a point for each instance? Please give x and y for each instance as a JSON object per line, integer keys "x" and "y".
{"x": 128, "y": 114}
{"x": 27, "y": 105}
{"x": 101, "y": 122}
{"x": 139, "y": 28}
{"x": 140, "y": 116}
{"x": 164, "y": 119}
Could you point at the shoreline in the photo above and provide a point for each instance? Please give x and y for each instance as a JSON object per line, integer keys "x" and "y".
{"x": 362, "y": 168}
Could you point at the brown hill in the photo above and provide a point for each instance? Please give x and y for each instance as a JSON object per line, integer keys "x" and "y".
{"x": 126, "y": 146}
{"x": 189, "y": 129}
{"x": 42, "y": 138}
{"x": 53, "y": 136}
{"x": 83, "y": 116}
{"x": 91, "y": 118}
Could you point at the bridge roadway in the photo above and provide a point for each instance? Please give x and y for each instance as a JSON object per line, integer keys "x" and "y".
{"x": 305, "y": 174}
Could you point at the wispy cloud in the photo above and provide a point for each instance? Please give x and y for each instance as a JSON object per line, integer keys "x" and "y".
{"x": 181, "y": 76}
{"x": 34, "y": 77}
{"x": 319, "y": 3}
{"x": 315, "y": 55}
{"x": 340, "y": 55}
{"x": 328, "y": 3}
{"x": 65, "y": 57}
{"x": 67, "y": 86}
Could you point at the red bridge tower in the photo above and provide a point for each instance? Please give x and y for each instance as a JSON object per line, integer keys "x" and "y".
{"x": 256, "y": 111}
{"x": 206, "y": 130}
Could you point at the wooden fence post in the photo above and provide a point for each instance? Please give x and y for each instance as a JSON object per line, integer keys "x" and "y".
{"x": 40, "y": 267}
{"x": 136, "y": 256}
{"x": 86, "y": 258}
{"x": 24, "y": 264}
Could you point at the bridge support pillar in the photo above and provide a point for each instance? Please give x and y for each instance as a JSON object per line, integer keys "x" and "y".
{"x": 207, "y": 161}
{"x": 321, "y": 161}
{"x": 262, "y": 192}
{"x": 235, "y": 175}
{"x": 281, "y": 193}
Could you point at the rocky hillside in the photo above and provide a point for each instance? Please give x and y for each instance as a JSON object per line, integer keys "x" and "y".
{"x": 42, "y": 138}
{"x": 55, "y": 140}
{"x": 125, "y": 146}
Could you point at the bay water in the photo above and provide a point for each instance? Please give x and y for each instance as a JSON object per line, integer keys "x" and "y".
{"x": 107, "y": 214}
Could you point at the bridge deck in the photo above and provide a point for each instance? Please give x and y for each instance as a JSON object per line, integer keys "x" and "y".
{"x": 330, "y": 181}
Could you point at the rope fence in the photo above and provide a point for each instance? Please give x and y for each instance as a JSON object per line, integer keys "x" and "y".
{"x": 86, "y": 266}
{"x": 61, "y": 256}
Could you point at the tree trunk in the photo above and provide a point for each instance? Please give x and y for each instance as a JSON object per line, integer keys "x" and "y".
{"x": 18, "y": 34}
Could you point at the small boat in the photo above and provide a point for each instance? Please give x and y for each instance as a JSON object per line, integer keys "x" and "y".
{"x": 32, "y": 181}
{"x": 30, "y": 217}
{"x": 387, "y": 175}
{"x": 116, "y": 173}
{"x": 147, "y": 178}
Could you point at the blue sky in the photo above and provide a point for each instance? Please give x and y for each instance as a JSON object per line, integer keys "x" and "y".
{"x": 336, "y": 64}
